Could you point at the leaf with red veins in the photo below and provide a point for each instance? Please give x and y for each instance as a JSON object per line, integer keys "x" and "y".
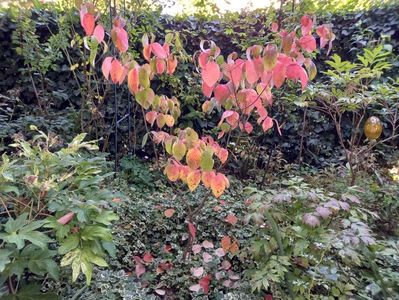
{"x": 306, "y": 25}
{"x": 88, "y": 23}
{"x": 211, "y": 73}
{"x": 158, "y": 51}
{"x": 205, "y": 282}
{"x": 221, "y": 93}
{"x": 207, "y": 90}
{"x": 308, "y": 43}
{"x": 296, "y": 72}
{"x": 151, "y": 116}
{"x": 106, "y": 66}
{"x": 250, "y": 72}
{"x": 98, "y": 33}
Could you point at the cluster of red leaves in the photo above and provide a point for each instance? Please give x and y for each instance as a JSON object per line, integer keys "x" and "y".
{"x": 248, "y": 82}
{"x": 198, "y": 155}
{"x": 88, "y": 19}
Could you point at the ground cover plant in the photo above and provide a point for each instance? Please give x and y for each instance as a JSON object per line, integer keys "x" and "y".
{"x": 199, "y": 199}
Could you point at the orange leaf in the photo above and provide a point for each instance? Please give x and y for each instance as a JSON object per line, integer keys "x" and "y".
{"x": 193, "y": 179}
{"x": 151, "y": 116}
{"x": 225, "y": 242}
{"x": 193, "y": 158}
{"x": 172, "y": 171}
{"x": 218, "y": 185}
{"x": 207, "y": 178}
{"x": 234, "y": 247}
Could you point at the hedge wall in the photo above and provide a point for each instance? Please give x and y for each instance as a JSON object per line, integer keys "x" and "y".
{"x": 232, "y": 33}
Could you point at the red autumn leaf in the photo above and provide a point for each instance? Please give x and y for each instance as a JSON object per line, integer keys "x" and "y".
{"x": 267, "y": 124}
{"x": 222, "y": 154}
{"x": 207, "y": 90}
{"x": 235, "y": 72}
{"x": 231, "y": 219}
{"x": 278, "y": 74}
{"x": 171, "y": 64}
{"x": 88, "y": 23}
{"x": 205, "y": 282}
{"x": 296, "y": 72}
{"x": 116, "y": 71}
{"x": 120, "y": 39}
{"x": 308, "y": 43}
{"x": 169, "y": 212}
{"x": 99, "y": 33}
{"x": 147, "y": 257}
{"x": 65, "y": 219}
{"x": 106, "y": 66}
{"x": 250, "y": 71}
{"x": 158, "y": 51}
{"x": 192, "y": 229}
{"x": 160, "y": 65}
{"x": 268, "y": 297}
{"x": 247, "y": 127}
{"x": 306, "y": 25}
{"x": 221, "y": 93}
{"x": 211, "y": 73}
{"x": 203, "y": 58}
{"x": 133, "y": 80}
{"x": 166, "y": 48}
